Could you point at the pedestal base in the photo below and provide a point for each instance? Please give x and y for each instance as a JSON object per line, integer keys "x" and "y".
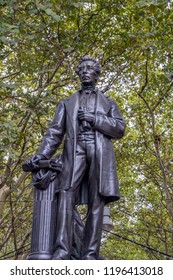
{"x": 40, "y": 256}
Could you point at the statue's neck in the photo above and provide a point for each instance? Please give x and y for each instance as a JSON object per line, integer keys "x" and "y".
{"x": 88, "y": 87}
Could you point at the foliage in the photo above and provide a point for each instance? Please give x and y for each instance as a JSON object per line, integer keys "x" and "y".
{"x": 41, "y": 42}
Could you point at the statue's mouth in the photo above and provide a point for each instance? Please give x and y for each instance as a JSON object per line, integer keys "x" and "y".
{"x": 85, "y": 77}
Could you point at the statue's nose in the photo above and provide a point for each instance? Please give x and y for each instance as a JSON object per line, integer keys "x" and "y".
{"x": 85, "y": 70}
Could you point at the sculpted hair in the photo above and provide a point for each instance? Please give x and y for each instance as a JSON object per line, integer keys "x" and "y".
{"x": 87, "y": 58}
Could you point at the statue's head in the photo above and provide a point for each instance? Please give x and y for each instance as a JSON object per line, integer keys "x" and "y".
{"x": 88, "y": 70}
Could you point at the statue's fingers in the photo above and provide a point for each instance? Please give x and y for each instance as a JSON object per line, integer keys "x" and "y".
{"x": 80, "y": 113}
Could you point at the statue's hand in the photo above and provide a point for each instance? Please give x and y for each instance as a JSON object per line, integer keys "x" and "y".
{"x": 84, "y": 115}
{"x": 32, "y": 163}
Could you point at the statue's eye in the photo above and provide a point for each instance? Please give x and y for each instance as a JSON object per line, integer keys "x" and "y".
{"x": 89, "y": 67}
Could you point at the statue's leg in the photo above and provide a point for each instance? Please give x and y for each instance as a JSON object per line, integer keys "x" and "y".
{"x": 65, "y": 213}
{"x": 77, "y": 236}
{"x": 64, "y": 231}
{"x": 96, "y": 202}
{"x": 93, "y": 228}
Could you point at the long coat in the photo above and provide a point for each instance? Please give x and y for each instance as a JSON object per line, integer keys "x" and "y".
{"x": 108, "y": 125}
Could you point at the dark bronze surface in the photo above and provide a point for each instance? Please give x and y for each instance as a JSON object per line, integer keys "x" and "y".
{"x": 87, "y": 121}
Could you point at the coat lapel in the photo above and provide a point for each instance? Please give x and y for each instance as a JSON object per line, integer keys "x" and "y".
{"x": 103, "y": 104}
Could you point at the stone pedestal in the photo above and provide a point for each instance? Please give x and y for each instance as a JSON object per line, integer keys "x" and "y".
{"x": 44, "y": 223}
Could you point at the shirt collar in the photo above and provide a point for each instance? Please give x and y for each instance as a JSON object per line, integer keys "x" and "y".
{"x": 88, "y": 90}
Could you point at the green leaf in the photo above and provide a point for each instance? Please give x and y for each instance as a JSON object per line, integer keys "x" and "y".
{"x": 53, "y": 14}
{"x": 3, "y": 39}
{"x": 142, "y": 3}
{"x": 30, "y": 37}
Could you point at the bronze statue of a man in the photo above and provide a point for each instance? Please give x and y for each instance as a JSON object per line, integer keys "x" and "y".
{"x": 87, "y": 121}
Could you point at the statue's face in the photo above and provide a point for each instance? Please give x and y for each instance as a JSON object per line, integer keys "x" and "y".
{"x": 87, "y": 73}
